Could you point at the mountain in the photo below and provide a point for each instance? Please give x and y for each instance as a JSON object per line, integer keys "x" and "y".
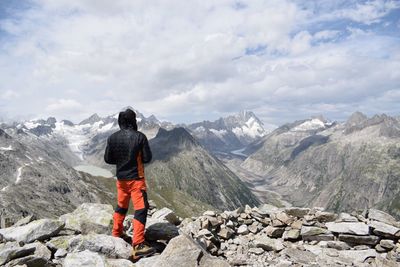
{"x": 183, "y": 171}
{"x": 230, "y": 133}
{"x": 339, "y": 166}
{"x": 35, "y": 178}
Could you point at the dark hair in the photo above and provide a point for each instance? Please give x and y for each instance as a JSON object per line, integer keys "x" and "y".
{"x": 127, "y": 119}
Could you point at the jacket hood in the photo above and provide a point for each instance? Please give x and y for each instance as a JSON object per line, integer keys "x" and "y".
{"x": 127, "y": 119}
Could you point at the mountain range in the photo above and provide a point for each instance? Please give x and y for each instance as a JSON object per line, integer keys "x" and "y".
{"x": 181, "y": 176}
{"x": 230, "y": 162}
{"x": 336, "y": 165}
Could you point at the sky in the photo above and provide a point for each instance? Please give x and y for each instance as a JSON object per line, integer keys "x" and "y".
{"x": 187, "y": 61}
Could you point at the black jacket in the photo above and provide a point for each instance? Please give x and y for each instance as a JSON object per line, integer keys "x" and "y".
{"x": 129, "y": 150}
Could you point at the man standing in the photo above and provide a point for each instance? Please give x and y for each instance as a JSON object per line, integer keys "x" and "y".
{"x": 129, "y": 149}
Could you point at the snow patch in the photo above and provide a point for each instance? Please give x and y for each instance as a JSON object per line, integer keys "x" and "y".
{"x": 219, "y": 133}
{"x": 8, "y": 148}
{"x": 313, "y": 124}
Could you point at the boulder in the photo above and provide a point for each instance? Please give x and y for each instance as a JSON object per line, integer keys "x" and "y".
{"x": 291, "y": 235}
{"x": 338, "y": 245}
{"x": 25, "y": 220}
{"x": 324, "y": 216}
{"x": 268, "y": 244}
{"x": 283, "y": 217}
{"x": 225, "y": 233}
{"x": 318, "y": 238}
{"x": 160, "y": 230}
{"x": 110, "y": 246}
{"x": 90, "y": 218}
{"x": 311, "y": 230}
{"x": 165, "y": 214}
{"x": 355, "y": 228}
{"x": 297, "y": 212}
{"x": 384, "y": 230}
{"x": 387, "y": 244}
{"x": 274, "y": 232}
{"x": 184, "y": 251}
{"x": 381, "y": 216}
{"x": 299, "y": 256}
{"x": 267, "y": 209}
{"x": 84, "y": 259}
{"x": 358, "y": 256}
{"x": 119, "y": 263}
{"x": 40, "y": 257}
{"x": 12, "y": 250}
{"x": 359, "y": 239}
{"x": 36, "y": 230}
{"x": 59, "y": 242}
{"x": 242, "y": 230}
{"x": 345, "y": 217}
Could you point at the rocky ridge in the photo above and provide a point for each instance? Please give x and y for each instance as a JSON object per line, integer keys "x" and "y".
{"x": 258, "y": 236}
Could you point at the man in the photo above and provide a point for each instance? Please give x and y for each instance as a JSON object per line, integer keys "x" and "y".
{"x": 129, "y": 149}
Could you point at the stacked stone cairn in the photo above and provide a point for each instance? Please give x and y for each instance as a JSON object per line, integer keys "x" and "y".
{"x": 258, "y": 236}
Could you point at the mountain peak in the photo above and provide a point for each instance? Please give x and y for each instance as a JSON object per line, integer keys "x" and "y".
{"x": 356, "y": 118}
{"x": 92, "y": 119}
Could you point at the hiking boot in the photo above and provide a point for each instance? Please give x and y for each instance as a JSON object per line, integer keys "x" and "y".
{"x": 126, "y": 238}
{"x": 142, "y": 250}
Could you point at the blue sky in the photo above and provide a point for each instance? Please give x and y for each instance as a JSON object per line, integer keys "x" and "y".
{"x": 186, "y": 61}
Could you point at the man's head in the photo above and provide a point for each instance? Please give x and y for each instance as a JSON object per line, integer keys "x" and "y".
{"x": 127, "y": 119}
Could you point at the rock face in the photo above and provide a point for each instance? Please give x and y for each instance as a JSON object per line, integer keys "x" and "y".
{"x": 268, "y": 236}
{"x": 90, "y": 217}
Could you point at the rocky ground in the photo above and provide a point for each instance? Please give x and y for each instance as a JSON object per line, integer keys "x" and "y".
{"x": 258, "y": 236}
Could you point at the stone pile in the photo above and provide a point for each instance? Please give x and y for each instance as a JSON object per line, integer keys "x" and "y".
{"x": 258, "y": 236}
{"x": 268, "y": 236}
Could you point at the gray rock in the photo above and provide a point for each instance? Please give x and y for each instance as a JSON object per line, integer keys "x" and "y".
{"x": 225, "y": 233}
{"x": 338, "y": 245}
{"x": 84, "y": 259}
{"x": 110, "y": 246}
{"x": 381, "y": 216}
{"x": 268, "y": 244}
{"x": 148, "y": 262}
{"x": 12, "y": 250}
{"x": 345, "y": 217}
{"x": 284, "y": 217}
{"x": 274, "y": 232}
{"x": 267, "y": 209}
{"x": 348, "y": 228}
{"x": 380, "y": 249}
{"x": 299, "y": 256}
{"x": 90, "y": 218}
{"x": 324, "y": 216}
{"x": 24, "y": 220}
{"x": 359, "y": 240}
{"x": 385, "y": 230}
{"x": 318, "y": 238}
{"x": 183, "y": 251}
{"x": 59, "y": 242}
{"x": 253, "y": 228}
{"x": 40, "y": 257}
{"x": 297, "y": 212}
{"x": 119, "y": 263}
{"x": 60, "y": 253}
{"x": 209, "y": 213}
{"x": 311, "y": 230}
{"x": 242, "y": 230}
{"x": 36, "y": 230}
{"x": 256, "y": 251}
{"x": 167, "y": 215}
{"x": 156, "y": 230}
{"x": 291, "y": 235}
{"x": 358, "y": 256}
{"x": 387, "y": 244}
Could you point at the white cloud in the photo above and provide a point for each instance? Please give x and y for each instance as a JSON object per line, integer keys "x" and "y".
{"x": 184, "y": 60}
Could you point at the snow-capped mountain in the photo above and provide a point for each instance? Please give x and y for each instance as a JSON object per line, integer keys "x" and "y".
{"x": 229, "y": 133}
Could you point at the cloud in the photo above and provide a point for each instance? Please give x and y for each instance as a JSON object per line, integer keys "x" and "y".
{"x": 185, "y": 61}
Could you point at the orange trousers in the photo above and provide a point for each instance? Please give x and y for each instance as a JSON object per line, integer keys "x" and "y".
{"x": 135, "y": 190}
